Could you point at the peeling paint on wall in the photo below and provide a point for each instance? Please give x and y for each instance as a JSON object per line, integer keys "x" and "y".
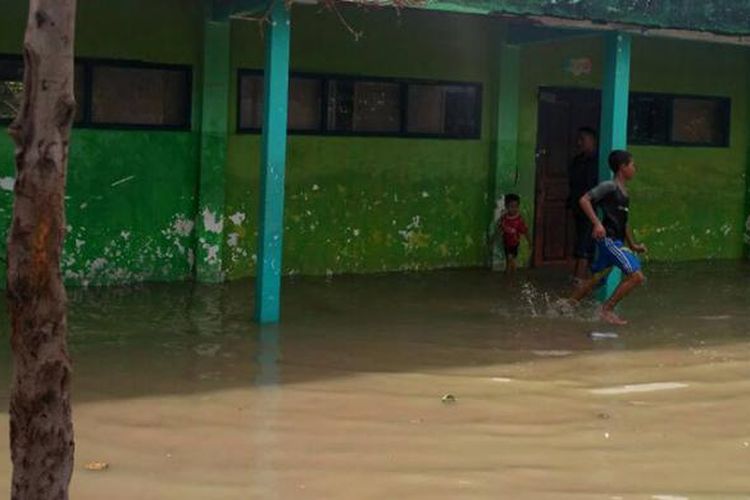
{"x": 213, "y": 222}
{"x": 7, "y": 183}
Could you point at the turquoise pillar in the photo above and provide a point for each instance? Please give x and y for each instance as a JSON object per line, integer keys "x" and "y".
{"x": 506, "y": 152}
{"x": 273, "y": 165}
{"x": 213, "y": 132}
{"x": 614, "y": 119}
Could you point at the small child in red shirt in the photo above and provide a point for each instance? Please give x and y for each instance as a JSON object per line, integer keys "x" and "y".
{"x": 512, "y": 226}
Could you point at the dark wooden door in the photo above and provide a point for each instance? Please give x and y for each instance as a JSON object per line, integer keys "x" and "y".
{"x": 561, "y": 113}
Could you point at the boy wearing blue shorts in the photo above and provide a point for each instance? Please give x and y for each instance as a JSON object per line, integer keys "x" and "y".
{"x": 612, "y": 234}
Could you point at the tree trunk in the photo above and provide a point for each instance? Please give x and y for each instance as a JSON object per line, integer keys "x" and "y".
{"x": 41, "y": 429}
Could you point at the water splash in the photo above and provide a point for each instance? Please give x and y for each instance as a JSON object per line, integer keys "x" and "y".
{"x": 536, "y": 302}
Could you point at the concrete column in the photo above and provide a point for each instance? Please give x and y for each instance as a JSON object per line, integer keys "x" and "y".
{"x": 506, "y": 153}
{"x": 614, "y": 119}
{"x": 213, "y": 150}
{"x": 273, "y": 165}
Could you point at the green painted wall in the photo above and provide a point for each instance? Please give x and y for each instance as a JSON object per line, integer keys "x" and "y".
{"x": 370, "y": 204}
{"x": 688, "y": 203}
{"x": 693, "y": 198}
{"x": 131, "y": 194}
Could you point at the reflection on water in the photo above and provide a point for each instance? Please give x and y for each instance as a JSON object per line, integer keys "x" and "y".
{"x": 187, "y": 398}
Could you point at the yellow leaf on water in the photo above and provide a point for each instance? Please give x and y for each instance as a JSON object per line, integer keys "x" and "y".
{"x": 97, "y": 466}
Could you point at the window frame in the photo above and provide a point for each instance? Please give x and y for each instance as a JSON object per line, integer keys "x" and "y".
{"x": 17, "y": 58}
{"x": 725, "y": 106}
{"x": 403, "y": 83}
{"x": 88, "y": 65}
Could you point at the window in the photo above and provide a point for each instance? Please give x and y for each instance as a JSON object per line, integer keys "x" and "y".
{"x": 362, "y": 106}
{"x": 140, "y": 96}
{"x": 648, "y": 119}
{"x": 113, "y": 94}
{"x": 339, "y": 105}
{"x": 444, "y": 110}
{"x": 11, "y": 88}
{"x": 700, "y": 121}
{"x": 304, "y": 103}
{"x": 669, "y": 120}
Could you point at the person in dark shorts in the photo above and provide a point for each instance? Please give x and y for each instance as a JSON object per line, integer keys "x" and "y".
{"x": 583, "y": 175}
{"x": 512, "y": 226}
{"x": 611, "y": 235}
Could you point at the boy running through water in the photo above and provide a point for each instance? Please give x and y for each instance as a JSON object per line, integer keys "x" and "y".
{"x": 611, "y": 234}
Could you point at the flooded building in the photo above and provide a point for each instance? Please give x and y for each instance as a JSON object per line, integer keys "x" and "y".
{"x": 390, "y": 135}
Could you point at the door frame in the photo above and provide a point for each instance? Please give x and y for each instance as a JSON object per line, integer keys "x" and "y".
{"x": 537, "y": 257}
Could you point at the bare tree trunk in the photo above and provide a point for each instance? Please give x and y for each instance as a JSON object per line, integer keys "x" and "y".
{"x": 41, "y": 428}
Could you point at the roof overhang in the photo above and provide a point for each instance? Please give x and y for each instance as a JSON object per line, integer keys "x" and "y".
{"x": 717, "y": 21}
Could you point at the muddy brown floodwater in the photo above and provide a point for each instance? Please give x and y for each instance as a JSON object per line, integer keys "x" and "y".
{"x": 187, "y": 399}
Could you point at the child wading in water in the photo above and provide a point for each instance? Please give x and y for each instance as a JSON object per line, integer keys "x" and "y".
{"x": 611, "y": 234}
{"x": 512, "y": 226}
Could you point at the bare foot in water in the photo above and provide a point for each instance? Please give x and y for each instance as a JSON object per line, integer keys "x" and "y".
{"x": 610, "y": 317}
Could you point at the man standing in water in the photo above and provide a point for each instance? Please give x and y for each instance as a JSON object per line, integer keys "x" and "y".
{"x": 583, "y": 175}
{"x": 611, "y": 234}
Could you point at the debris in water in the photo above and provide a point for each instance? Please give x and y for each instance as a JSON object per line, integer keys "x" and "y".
{"x": 449, "y": 398}
{"x": 501, "y": 379}
{"x": 606, "y": 435}
{"x": 721, "y": 317}
{"x": 603, "y": 416}
{"x": 553, "y": 353}
{"x": 668, "y": 497}
{"x": 626, "y": 389}
{"x": 603, "y": 335}
{"x": 96, "y": 466}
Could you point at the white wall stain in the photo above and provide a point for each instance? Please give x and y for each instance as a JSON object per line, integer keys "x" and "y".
{"x": 412, "y": 236}
{"x": 128, "y": 256}
{"x": 237, "y": 218}
{"x": 98, "y": 264}
{"x": 212, "y": 222}
{"x": 7, "y": 183}
{"x": 212, "y": 253}
{"x": 233, "y": 239}
{"x": 182, "y": 226}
